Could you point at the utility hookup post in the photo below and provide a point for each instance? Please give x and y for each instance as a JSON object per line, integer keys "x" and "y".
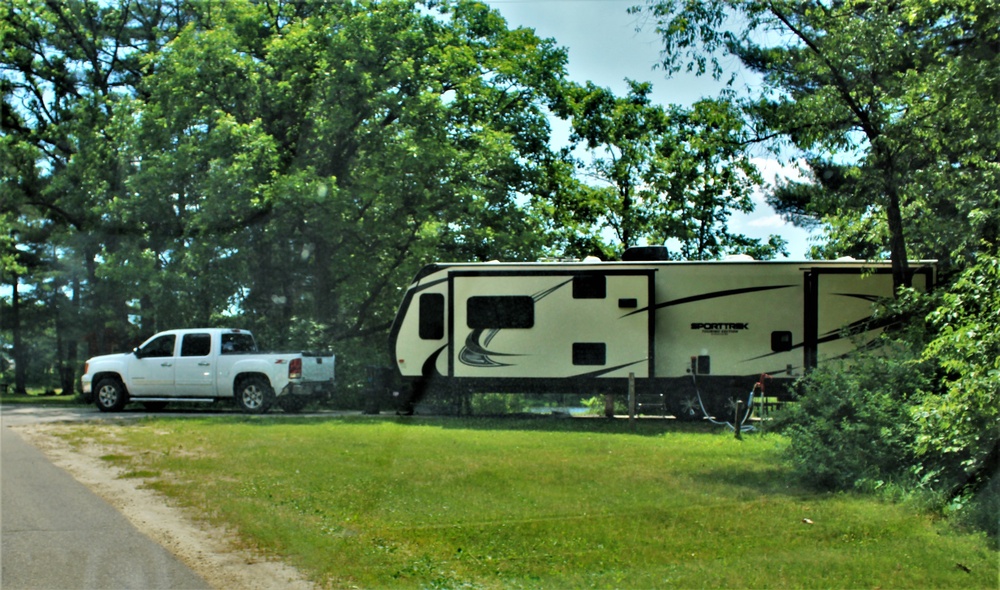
{"x": 736, "y": 421}
{"x": 631, "y": 400}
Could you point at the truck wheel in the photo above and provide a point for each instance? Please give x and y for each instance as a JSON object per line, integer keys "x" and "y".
{"x": 254, "y": 395}
{"x": 110, "y": 395}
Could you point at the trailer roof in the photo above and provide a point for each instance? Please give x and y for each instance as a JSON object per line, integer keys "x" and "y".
{"x": 594, "y": 263}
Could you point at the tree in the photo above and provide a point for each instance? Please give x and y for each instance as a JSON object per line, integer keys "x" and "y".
{"x": 667, "y": 175}
{"x": 345, "y": 148}
{"x": 283, "y": 166}
{"x": 65, "y": 66}
{"x": 870, "y": 88}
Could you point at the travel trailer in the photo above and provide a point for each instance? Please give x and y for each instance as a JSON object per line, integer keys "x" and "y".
{"x": 690, "y": 333}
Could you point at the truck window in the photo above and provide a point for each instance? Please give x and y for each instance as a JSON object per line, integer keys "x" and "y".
{"x": 161, "y": 347}
{"x": 432, "y": 316}
{"x": 236, "y": 342}
{"x": 196, "y": 345}
{"x": 500, "y": 311}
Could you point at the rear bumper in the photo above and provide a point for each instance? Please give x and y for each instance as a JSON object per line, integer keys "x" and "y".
{"x": 323, "y": 389}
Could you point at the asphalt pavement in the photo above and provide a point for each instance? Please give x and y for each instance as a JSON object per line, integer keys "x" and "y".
{"x": 56, "y": 534}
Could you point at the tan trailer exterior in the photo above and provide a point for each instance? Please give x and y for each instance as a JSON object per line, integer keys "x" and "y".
{"x": 583, "y": 327}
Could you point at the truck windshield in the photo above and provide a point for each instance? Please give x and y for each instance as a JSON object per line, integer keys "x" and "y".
{"x": 233, "y": 343}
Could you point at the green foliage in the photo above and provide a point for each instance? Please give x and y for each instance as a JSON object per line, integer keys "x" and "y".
{"x": 665, "y": 175}
{"x": 895, "y": 108}
{"x": 958, "y": 421}
{"x": 282, "y": 168}
{"x": 850, "y": 427}
{"x": 919, "y": 414}
{"x": 497, "y": 404}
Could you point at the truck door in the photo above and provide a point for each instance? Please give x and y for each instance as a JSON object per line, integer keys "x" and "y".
{"x": 151, "y": 370}
{"x": 537, "y": 324}
{"x": 195, "y": 367}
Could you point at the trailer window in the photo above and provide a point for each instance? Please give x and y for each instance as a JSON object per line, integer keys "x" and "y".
{"x": 196, "y": 345}
{"x": 781, "y": 341}
{"x": 432, "y": 316}
{"x": 590, "y": 287}
{"x": 589, "y": 353}
{"x": 499, "y": 312}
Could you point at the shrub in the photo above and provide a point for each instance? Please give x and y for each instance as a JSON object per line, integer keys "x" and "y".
{"x": 495, "y": 404}
{"x": 851, "y": 426}
{"x": 958, "y": 437}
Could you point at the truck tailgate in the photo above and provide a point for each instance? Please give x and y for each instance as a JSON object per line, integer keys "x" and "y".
{"x": 317, "y": 368}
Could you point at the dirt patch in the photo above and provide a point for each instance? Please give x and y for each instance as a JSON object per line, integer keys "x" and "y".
{"x": 206, "y": 550}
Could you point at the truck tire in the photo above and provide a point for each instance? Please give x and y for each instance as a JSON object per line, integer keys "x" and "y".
{"x": 110, "y": 395}
{"x": 254, "y": 395}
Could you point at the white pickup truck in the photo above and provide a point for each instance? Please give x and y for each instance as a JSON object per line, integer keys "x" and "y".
{"x": 204, "y": 365}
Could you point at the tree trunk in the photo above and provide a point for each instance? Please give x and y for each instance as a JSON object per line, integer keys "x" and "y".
{"x": 894, "y": 218}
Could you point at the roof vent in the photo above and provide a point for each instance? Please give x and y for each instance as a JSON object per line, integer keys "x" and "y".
{"x": 645, "y": 254}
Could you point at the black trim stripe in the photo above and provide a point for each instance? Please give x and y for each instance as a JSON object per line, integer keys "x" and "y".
{"x": 707, "y": 296}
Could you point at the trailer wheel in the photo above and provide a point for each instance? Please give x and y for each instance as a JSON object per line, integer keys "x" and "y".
{"x": 254, "y": 395}
{"x": 686, "y": 409}
{"x": 110, "y": 395}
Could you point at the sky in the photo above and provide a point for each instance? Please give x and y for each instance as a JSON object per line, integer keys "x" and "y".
{"x": 606, "y": 45}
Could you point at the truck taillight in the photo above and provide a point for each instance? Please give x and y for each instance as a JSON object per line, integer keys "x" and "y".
{"x": 295, "y": 369}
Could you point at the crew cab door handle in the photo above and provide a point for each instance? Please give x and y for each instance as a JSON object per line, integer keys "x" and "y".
{"x": 204, "y": 364}
{"x": 166, "y": 364}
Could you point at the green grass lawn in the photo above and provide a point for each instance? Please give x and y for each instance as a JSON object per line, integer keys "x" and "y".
{"x": 537, "y": 503}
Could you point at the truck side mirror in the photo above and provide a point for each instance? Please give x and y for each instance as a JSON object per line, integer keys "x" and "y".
{"x": 137, "y": 352}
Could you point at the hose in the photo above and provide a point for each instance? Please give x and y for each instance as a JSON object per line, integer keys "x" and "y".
{"x": 742, "y": 423}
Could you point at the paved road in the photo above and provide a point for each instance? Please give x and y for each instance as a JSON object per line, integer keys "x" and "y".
{"x": 57, "y": 534}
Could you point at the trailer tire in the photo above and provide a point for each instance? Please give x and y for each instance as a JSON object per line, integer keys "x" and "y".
{"x": 254, "y": 395}
{"x": 686, "y": 409}
{"x": 110, "y": 395}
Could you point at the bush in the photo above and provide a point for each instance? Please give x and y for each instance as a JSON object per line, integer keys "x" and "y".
{"x": 957, "y": 437}
{"x": 496, "y": 404}
{"x": 919, "y": 414}
{"x": 851, "y": 427}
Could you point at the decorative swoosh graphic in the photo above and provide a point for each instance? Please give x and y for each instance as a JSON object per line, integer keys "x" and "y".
{"x": 475, "y": 352}
{"x": 607, "y": 370}
{"x": 706, "y": 296}
{"x": 849, "y": 331}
